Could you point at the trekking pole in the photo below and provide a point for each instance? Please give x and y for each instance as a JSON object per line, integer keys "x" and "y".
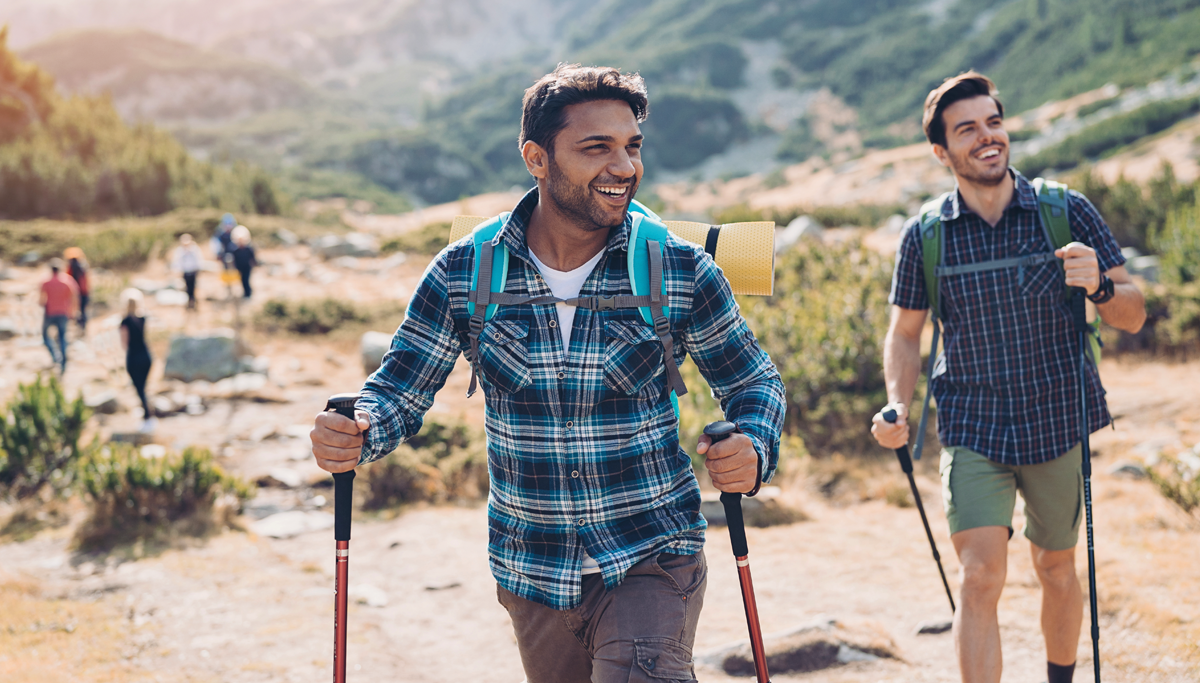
{"x": 1079, "y": 316}
{"x": 889, "y": 415}
{"x": 343, "y": 492}
{"x": 732, "y": 502}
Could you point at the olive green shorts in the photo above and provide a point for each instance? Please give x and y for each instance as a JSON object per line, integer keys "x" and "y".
{"x": 978, "y": 492}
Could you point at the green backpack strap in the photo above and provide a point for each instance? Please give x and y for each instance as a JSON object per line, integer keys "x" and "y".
{"x": 647, "y": 239}
{"x": 933, "y": 244}
{"x": 490, "y": 252}
{"x": 1056, "y": 223}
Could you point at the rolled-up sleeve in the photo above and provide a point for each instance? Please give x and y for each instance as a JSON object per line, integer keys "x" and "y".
{"x": 742, "y": 377}
{"x": 423, "y": 352}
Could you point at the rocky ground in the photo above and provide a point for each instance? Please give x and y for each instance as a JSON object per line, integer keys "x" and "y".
{"x": 244, "y": 606}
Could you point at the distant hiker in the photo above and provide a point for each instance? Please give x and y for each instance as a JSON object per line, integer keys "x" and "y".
{"x": 1007, "y": 388}
{"x": 243, "y": 257}
{"x": 60, "y": 301}
{"x": 596, "y": 536}
{"x": 78, "y": 270}
{"x": 222, "y": 241}
{"x": 187, "y": 261}
{"x": 137, "y": 354}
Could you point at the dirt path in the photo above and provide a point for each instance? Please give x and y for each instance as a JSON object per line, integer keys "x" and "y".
{"x": 245, "y": 608}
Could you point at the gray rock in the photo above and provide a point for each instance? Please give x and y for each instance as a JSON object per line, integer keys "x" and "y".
{"x": 1130, "y": 253}
{"x": 374, "y": 346}
{"x": 8, "y": 329}
{"x": 281, "y": 477}
{"x": 135, "y": 438}
{"x": 103, "y": 403}
{"x": 287, "y": 237}
{"x": 926, "y": 628}
{"x": 212, "y": 356}
{"x": 292, "y": 523}
{"x": 763, "y": 510}
{"x": 822, "y": 645}
{"x": 29, "y": 258}
{"x": 801, "y": 227}
{"x": 894, "y": 225}
{"x": 1145, "y": 267}
{"x": 354, "y": 244}
{"x": 1127, "y": 469}
{"x": 366, "y": 594}
{"x": 164, "y": 405}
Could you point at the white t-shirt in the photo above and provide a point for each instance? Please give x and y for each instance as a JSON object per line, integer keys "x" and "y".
{"x": 567, "y": 286}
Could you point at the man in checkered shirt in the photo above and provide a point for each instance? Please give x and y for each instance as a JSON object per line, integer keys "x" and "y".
{"x": 1007, "y": 382}
{"x": 595, "y": 532}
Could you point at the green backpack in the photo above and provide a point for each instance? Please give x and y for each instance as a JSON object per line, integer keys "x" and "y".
{"x": 646, "y": 241}
{"x": 1052, "y": 207}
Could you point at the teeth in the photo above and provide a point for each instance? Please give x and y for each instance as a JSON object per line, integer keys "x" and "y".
{"x": 614, "y": 191}
{"x": 989, "y": 154}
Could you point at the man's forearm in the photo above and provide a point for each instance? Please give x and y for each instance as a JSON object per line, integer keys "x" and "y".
{"x": 901, "y": 366}
{"x": 1126, "y": 310}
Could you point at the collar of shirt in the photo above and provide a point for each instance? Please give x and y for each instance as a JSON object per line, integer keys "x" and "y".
{"x": 514, "y": 229}
{"x": 1024, "y": 196}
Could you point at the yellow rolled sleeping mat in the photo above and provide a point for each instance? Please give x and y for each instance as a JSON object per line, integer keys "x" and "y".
{"x": 744, "y": 251}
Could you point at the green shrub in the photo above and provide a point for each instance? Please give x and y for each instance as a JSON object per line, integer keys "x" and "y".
{"x": 824, "y": 329}
{"x": 426, "y": 241}
{"x": 860, "y": 215}
{"x": 1176, "y": 483}
{"x": 442, "y": 462}
{"x": 312, "y": 316}
{"x": 39, "y": 440}
{"x": 133, "y": 497}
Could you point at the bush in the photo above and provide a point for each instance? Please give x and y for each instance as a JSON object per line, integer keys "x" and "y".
{"x": 1179, "y": 274}
{"x": 824, "y": 329}
{"x": 1177, "y": 483}
{"x": 313, "y": 316}
{"x": 442, "y": 462}
{"x": 39, "y": 440}
{"x": 133, "y": 497}
{"x": 426, "y": 241}
{"x": 860, "y": 215}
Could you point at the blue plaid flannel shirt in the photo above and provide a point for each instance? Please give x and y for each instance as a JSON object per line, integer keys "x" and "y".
{"x": 1007, "y": 382}
{"x": 583, "y": 447}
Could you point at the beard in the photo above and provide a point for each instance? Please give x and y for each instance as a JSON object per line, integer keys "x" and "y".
{"x": 965, "y": 166}
{"x": 580, "y": 205}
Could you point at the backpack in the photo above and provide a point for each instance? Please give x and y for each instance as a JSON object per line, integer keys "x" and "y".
{"x": 646, "y": 241}
{"x": 1052, "y": 209}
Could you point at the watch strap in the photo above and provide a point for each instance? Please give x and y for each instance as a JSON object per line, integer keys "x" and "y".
{"x": 1104, "y": 292}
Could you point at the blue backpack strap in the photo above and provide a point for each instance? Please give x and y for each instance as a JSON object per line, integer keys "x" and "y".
{"x": 647, "y": 239}
{"x": 491, "y": 265}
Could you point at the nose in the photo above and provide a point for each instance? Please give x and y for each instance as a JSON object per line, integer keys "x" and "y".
{"x": 622, "y": 165}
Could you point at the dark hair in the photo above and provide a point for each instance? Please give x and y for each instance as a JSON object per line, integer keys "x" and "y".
{"x": 543, "y": 108}
{"x": 961, "y": 87}
{"x": 56, "y": 264}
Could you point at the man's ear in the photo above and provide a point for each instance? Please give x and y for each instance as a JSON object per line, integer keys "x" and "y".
{"x": 941, "y": 154}
{"x": 537, "y": 159}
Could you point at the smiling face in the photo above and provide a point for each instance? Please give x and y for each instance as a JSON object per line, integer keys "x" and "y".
{"x": 976, "y": 143}
{"x": 593, "y": 170}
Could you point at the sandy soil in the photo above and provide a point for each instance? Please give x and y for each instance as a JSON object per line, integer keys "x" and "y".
{"x": 239, "y": 607}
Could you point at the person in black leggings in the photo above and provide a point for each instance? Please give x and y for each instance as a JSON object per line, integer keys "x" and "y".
{"x": 137, "y": 354}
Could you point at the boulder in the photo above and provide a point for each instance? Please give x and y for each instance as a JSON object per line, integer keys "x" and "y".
{"x": 1145, "y": 267}
{"x": 801, "y": 227}
{"x": 29, "y": 258}
{"x": 822, "y": 645}
{"x": 763, "y": 510}
{"x": 292, "y": 523}
{"x": 103, "y": 403}
{"x": 170, "y": 297}
{"x": 211, "y": 356}
{"x": 353, "y": 244}
{"x": 374, "y": 346}
{"x": 287, "y": 237}
{"x": 1128, "y": 469}
{"x": 8, "y": 329}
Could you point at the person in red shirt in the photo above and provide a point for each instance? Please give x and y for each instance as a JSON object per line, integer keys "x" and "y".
{"x": 60, "y": 302}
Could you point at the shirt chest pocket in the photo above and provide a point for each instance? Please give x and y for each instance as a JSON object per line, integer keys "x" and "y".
{"x": 504, "y": 355}
{"x": 1041, "y": 276}
{"x": 633, "y": 356}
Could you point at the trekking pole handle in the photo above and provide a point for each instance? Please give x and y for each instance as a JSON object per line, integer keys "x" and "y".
{"x": 1079, "y": 309}
{"x": 732, "y": 502}
{"x": 343, "y": 482}
{"x": 906, "y": 465}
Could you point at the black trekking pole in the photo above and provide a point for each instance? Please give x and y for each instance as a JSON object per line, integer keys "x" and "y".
{"x": 889, "y": 415}
{"x": 343, "y": 492}
{"x": 732, "y": 502}
{"x": 1079, "y": 316}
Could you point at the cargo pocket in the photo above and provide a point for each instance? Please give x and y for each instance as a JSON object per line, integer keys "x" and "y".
{"x": 504, "y": 355}
{"x": 661, "y": 659}
{"x": 632, "y": 356}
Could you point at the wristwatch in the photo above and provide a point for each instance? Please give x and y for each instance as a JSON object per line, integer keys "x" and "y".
{"x": 1104, "y": 292}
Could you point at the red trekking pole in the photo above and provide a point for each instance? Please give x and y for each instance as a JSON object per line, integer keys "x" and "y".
{"x": 343, "y": 493}
{"x": 719, "y": 431}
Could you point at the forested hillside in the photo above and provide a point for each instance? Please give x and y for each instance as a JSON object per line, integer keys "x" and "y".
{"x": 423, "y": 99}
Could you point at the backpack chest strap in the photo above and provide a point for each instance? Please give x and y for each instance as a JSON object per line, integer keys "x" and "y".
{"x": 1018, "y": 262}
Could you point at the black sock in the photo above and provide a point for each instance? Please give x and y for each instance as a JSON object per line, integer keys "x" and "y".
{"x": 1057, "y": 673}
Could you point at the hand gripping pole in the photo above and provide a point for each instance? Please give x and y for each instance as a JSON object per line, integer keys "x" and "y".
{"x": 343, "y": 493}
{"x": 719, "y": 431}
{"x": 889, "y": 415}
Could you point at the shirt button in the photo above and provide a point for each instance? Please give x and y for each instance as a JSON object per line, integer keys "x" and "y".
{"x": 562, "y": 375}
{"x": 575, "y": 474}
{"x": 581, "y": 522}
{"x": 553, "y": 323}
{"x": 570, "y": 424}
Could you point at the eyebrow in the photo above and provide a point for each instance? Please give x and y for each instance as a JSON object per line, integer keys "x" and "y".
{"x": 970, "y": 123}
{"x": 607, "y": 138}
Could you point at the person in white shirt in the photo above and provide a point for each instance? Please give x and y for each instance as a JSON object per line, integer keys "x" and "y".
{"x": 187, "y": 261}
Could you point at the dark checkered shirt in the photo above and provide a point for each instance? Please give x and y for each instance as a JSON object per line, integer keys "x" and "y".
{"x": 583, "y": 447}
{"x": 1007, "y": 382}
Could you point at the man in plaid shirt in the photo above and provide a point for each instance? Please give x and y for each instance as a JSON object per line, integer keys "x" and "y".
{"x": 1007, "y": 382}
{"x": 596, "y": 537}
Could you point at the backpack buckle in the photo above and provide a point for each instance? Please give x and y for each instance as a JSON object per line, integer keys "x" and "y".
{"x": 475, "y": 325}
{"x": 606, "y": 303}
{"x": 662, "y": 327}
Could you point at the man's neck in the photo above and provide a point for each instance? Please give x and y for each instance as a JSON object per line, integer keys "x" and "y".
{"x": 987, "y": 201}
{"x": 558, "y": 241}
